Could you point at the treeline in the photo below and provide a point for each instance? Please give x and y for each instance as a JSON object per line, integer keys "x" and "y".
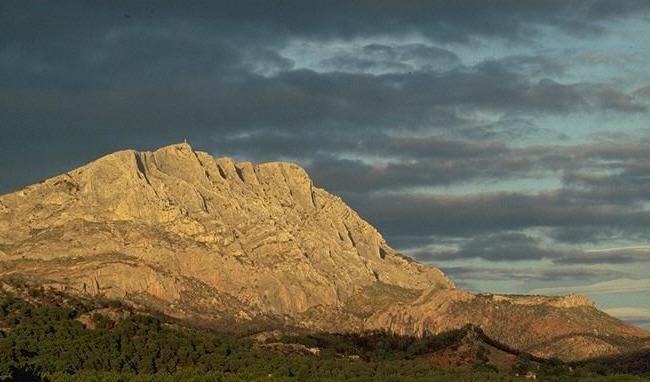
{"x": 47, "y": 341}
{"x": 377, "y": 347}
{"x": 50, "y": 343}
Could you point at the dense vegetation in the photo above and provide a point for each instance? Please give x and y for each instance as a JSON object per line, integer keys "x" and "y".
{"x": 48, "y": 341}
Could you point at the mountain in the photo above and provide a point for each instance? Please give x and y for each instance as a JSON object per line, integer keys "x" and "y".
{"x": 249, "y": 248}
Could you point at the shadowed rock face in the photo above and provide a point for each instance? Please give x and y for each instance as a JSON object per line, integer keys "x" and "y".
{"x": 256, "y": 246}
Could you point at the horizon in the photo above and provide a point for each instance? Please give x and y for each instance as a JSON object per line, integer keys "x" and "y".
{"x": 506, "y": 144}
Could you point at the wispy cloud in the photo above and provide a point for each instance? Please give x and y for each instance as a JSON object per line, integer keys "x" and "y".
{"x": 629, "y": 312}
{"x": 605, "y": 287}
{"x": 639, "y": 316}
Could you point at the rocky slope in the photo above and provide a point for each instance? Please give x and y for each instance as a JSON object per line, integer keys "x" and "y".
{"x": 253, "y": 247}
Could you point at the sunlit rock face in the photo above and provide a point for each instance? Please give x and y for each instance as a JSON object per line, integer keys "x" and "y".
{"x": 252, "y": 247}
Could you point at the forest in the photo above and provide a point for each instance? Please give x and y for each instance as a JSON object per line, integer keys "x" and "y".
{"x": 63, "y": 339}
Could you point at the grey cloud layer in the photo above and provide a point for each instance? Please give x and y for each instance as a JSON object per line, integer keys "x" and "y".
{"x": 442, "y": 20}
{"x": 505, "y": 274}
{"x": 516, "y": 246}
{"x": 469, "y": 215}
{"x": 207, "y": 89}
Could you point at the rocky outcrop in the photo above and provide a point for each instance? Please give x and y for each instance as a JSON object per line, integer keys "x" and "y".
{"x": 237, "y": 244}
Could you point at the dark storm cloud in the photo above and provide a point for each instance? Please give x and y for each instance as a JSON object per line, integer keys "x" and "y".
{"x": 343, "y": 175}
{"x": 511, "y": 247}
{"x": 613, "y": 173}
{"x": 605, "y": 188}
{"x": 440, "y": 20}
{"x": 200, "y": 99}
{"x": 416, "y": 161}
{"x": 305, "y": 99}
{"x": 504, "y": 246}
{"x": 400, "y": 214}
{"x": 87, "y": 79}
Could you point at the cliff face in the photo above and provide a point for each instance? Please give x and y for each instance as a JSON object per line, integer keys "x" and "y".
{"x": 175, "y": 223}
{"x": 243, "y": 245}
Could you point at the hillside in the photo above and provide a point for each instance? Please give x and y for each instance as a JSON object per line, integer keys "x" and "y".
{"x": 52, "y": 336}
{"x": 248, "y": 248}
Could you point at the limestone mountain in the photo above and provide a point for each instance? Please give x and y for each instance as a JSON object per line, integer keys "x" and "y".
{"x": 247, "y": 247}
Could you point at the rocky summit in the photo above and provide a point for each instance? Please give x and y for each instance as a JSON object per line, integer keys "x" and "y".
{"x": 253, "y": 248}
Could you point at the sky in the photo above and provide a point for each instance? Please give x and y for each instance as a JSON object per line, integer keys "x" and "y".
{"x": 506, "y": 142}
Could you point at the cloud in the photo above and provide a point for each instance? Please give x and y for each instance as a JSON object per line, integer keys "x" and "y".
{"x": 535, "y": 65}
{"x": 613, "y": 173}
{"x": 87, "y": 80}
{"x": 504, "y": 246}
{"x": 509, "y": 20}
{"x": 586, "y": 234}
{"x": 643, "y": 92}
{"x": 608, "y": 256}
{"x": 466, "y": 215}
{"x": 516, "y": 246}
{"x": 629, "y": 312}
{"x": 341, "y": 175}
{"x": 221, "y": 99}
{"x": 526, "y": 274}
{"x": 635, "y": 315}
{"x": 378, "y": 58}
{"x": 216, "y": 93}
{"x": 326, "y": 145}
{"x": 604, "y": 186}
{"x": 616, "y": 286}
